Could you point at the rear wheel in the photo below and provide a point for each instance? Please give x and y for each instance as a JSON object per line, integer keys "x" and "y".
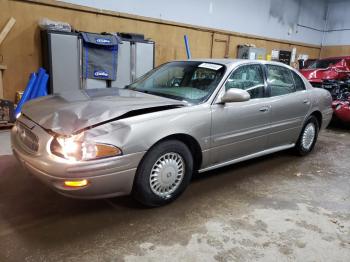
{"x": 163, "y": 174}
{"x": 308, "y": 136}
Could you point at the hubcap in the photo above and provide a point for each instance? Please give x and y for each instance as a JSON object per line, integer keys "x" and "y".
{"x": 308, "y": 136}
{"x": 167, "y": 174}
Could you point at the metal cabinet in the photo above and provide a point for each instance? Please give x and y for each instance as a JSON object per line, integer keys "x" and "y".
{"x": 247, "y": 52}
{"x": 62, "y": 58}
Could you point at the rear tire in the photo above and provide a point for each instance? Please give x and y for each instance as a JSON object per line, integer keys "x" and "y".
{"x": 308, "y": 136}
{"x": 163, "y": 174}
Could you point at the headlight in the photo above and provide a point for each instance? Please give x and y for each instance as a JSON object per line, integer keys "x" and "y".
{"x": 75, "y": 148}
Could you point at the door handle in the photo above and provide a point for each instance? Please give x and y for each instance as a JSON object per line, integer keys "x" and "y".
{"x": 264, "y": 109}
{"x": 306, "y": 101}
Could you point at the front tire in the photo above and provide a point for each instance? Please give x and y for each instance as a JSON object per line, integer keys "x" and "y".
{"x": 163, "y": 174}
{"x": 308, "y": 136}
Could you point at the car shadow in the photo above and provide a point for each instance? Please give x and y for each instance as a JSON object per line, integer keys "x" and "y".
{"x": 337, "y": 125}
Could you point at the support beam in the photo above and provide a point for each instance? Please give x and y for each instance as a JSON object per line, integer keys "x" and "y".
{"x": 7, "y": 28}
{"x": 2, "y": 68}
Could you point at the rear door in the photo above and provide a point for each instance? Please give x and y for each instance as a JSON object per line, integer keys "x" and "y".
{"x": 289, "y": 102}
{"x": 238, "y": 129}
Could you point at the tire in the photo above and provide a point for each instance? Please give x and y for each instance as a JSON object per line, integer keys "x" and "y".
{"x": 308, "y": 136}
{"x": 166, "y": 164}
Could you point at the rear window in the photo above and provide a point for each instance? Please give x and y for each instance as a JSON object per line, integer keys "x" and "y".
{"x": 280, "y": 80}
{"x": 324, "y": 63}
{"x": 299, "y": 83}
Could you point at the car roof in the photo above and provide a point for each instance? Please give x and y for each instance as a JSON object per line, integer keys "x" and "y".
{"x": 224, "y": 61}
{"x": 233, "y": 62}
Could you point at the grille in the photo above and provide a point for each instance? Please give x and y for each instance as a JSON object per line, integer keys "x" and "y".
{"x": 27, "y": 137}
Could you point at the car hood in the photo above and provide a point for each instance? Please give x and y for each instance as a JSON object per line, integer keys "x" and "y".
{"x": 67, "y": 114}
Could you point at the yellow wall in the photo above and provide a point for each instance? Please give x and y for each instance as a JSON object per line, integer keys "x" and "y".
{"x": 329, "y": 51}
{"x": 21, "y": 49}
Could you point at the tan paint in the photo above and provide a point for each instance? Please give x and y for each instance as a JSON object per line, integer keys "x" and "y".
{"x": 2, "y": 68}
{"x": 329, "y": 51}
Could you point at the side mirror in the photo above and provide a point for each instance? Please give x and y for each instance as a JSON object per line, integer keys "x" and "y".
{"x": 235, "y": 95}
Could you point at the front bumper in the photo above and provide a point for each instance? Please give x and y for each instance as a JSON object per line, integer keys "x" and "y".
{"x": 342, "y": 110}
{"x": 106, "y": 177}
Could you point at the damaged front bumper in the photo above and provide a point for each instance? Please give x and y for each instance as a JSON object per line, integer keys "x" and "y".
{"x": 342, "y": 110}
{"x": 105, "y": 177}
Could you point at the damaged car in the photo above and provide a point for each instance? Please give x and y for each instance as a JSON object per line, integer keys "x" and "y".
{"x": 148, "y": 138}
{"x": 340, "y": 91}
{"x": 333, "y": 68}
{"x": 333, "y": 74}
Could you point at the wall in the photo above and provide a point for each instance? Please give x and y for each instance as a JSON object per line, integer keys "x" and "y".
{"x": 21, "y": 50}
{"x": 337, "y": 36}
{"x": 268, "y": 18}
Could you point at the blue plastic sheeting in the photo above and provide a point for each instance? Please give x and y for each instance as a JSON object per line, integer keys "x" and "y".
{"x": 27, "y": 92}
{"x": 36, "y": 87}
{"x": 43, "y": 86}
{"x": 187, "y": 45}
{"x": 40, "y": 87}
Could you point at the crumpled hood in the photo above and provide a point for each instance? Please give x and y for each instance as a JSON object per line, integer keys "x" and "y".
{"x": 331, "y": 73}
{"x": 67, "y": 113}
{"x": 318, "y": 75}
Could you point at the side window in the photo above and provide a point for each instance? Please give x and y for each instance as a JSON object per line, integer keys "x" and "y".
{"x": 280, "y": 80}
{"x": 249, "y": 78}
{"x": 299, "y": 83}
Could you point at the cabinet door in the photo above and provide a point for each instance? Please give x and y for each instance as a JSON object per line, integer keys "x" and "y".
{"x": 144, "y": 58}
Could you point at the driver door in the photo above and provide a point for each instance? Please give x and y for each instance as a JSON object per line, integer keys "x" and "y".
{"x": 239, "y": 128}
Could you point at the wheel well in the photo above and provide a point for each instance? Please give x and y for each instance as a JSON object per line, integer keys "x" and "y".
{"x": 318, "y": 116}
{"x": 192, "y": 144}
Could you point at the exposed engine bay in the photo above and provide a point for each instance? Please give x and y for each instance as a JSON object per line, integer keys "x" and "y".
{"x": 340, "y": 91}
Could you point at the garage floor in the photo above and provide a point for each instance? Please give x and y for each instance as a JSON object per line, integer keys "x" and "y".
{"x": 276, "y": 208}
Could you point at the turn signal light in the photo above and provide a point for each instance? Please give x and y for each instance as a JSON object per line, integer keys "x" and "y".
{"x": 76, "y": 183}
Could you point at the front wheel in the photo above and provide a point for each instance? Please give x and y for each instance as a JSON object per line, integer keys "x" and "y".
{"x": 163, "y": 174}
{"x": 308, "y": 136}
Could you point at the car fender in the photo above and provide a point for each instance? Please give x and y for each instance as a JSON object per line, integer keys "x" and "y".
{"x": 140, "y": 133}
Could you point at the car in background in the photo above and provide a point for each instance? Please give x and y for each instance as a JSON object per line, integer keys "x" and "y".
{"x": 332, "y": 74}
{"x": 333, "y": 68}
{"x": 148, "y": 138}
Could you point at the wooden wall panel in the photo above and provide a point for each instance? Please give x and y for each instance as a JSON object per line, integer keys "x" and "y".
{"x": 220, "y": 42}
{"x": 329, "y": 51}
{"x": 270, "y": 45}
{"x": 21, "y": 48}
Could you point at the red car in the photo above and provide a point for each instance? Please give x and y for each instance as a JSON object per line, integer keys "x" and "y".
{"x": 333, "y": 68}
{"x": 333, "y": 74}
{"x": 341, "y": 110}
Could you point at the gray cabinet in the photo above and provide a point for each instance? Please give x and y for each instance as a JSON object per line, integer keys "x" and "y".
{"x": 62, "y": 58}
{"x": 247, "y": 52}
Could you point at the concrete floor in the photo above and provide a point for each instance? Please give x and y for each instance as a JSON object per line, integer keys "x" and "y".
{"x": 277, "y": 208}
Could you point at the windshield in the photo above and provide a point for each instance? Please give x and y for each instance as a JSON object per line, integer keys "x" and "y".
{"x": 324, "y": 63}
{"x": 189, "y": 81}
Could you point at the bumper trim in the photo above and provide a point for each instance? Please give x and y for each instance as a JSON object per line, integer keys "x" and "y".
{"x": 102, "y": 186}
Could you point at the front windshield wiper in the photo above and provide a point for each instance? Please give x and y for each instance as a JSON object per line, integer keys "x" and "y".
{"x": 178, "y": 98}
{"x": 162, "y": 94}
